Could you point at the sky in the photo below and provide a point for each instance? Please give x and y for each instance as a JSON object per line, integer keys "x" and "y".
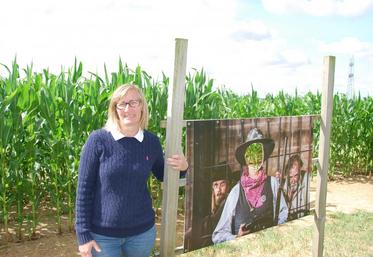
{"x": 271, "y": 45}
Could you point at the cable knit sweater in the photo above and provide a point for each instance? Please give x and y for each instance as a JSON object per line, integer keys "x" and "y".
{"x": 112, "y": 195}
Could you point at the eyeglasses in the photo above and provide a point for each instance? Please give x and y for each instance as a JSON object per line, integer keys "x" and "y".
{"x": 131, "y": 103}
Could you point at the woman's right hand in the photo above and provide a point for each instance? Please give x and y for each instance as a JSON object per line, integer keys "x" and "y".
{"x": 85, "y": 250}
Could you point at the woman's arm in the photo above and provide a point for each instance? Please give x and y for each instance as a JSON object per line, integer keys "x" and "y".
{"x": 88, "y": 168}
{"x": 176, "y": 161}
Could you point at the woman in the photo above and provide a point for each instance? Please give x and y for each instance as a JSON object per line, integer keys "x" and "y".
{"x": 251, "y": 203}
{"x": 114, "y": 213}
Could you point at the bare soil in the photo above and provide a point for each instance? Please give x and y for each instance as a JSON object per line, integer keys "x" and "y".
{"x": 345, "y": 195}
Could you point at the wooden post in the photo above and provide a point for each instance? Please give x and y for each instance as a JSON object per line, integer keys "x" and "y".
{"x": 175, "y": 113}
{"x": 323, "y": 160}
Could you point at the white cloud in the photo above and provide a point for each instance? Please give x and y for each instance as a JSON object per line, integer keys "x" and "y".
{"x": 253, "y": 30}
{"x": 319, "y": 7}
{"x": 350, "y": 46}
{"x": 362, "y": 53}
{"x": 234, "y": 53}
{"x": 290, "y": 59}
{"x": 141, "y": 32}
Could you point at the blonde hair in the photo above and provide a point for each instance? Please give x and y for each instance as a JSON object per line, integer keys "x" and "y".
{"x": 118, "y": 94}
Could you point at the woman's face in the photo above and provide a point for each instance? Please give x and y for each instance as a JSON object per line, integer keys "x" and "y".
{"x": 254, "y": 155}
{"x": 129, "y": 109}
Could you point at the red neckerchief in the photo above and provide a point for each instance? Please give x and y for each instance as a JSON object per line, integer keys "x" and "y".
{"x": 253, "y": 188}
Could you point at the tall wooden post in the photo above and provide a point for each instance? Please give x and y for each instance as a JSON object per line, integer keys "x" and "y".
{"x": 323, "y": 160}
{"x": 175, "y": 113}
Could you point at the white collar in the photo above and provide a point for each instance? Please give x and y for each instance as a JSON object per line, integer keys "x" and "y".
{"x": 119, "y": 135}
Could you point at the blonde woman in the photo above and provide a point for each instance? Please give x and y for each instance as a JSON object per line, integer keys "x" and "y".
{"x": 114, "y": 213}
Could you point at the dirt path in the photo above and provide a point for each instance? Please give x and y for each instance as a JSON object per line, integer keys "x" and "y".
{"x": 346, "y": 195}
{"x": 350, "y": 195}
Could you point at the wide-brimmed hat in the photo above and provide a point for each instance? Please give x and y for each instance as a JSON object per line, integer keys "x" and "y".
{"x": 255, "y": 136}
{"x": 220, "y": 171}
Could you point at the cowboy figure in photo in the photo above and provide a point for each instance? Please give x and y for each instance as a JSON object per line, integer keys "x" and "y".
{"x": 250, "y": 205}
{"x": 296, "y": 186}
{"x": 220, "y": 187}
{"x": 220, "y": 177}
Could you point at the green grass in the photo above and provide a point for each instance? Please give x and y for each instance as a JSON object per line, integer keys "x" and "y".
{"x": 350, "y": 234}
{"x": 345, "y": 235}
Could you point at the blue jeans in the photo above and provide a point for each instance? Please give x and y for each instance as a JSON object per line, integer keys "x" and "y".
{"x": 132, "y": 246}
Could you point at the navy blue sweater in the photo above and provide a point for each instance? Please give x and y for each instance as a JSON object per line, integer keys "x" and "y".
{"x": 112, "y": 195}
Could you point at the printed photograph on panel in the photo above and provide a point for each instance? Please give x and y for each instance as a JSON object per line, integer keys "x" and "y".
{"x": 245, "y": 175}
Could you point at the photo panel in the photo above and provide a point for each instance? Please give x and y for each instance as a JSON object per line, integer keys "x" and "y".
{"x": 228, "y": 193}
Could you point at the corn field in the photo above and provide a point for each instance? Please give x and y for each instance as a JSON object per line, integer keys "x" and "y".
{"x": 46, "y": 118}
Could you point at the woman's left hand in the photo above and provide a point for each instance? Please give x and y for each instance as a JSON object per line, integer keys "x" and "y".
{"x": 178, "y": 162}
